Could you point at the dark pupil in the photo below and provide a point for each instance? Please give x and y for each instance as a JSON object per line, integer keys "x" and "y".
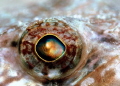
{"x": 50, "y": 48}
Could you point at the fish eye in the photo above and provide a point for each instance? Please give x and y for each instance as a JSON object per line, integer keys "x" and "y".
{"x": 50, "y": 49}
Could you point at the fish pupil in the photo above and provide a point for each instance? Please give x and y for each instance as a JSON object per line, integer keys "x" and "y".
{"x": 50, "y": 48}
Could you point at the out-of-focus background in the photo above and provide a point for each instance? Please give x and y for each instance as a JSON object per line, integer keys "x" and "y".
{"x": 26, "y": 9}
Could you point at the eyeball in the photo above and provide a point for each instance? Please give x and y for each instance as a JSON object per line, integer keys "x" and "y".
{"x": 50, "y": 49}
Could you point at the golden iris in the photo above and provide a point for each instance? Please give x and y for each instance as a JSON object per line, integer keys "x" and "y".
{"x": 49, "y": 48}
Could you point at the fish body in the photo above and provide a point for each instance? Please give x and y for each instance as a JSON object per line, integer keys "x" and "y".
{"x": 97, "y": 23}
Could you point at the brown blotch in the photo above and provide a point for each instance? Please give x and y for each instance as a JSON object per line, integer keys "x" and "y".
{"x": 45, "y": 71}
{"x": 108, "y": 39}
{"x": 101, "y": 80}
{"x": 56, "y": 24}
{"x": 47, "y": 24}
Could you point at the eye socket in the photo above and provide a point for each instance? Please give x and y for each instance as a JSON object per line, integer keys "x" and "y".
{"x": 50, "y": 49}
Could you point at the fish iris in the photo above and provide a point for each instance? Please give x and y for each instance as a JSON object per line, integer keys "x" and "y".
{"x": 50, "y": 48}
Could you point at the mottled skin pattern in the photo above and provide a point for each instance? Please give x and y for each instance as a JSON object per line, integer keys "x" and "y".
{"x": 97, "y": 22}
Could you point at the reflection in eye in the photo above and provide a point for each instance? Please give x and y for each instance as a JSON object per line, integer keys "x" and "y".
{"x": 50, "y": 48}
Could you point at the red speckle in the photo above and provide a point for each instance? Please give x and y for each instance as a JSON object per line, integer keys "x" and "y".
{"x": 27, "y": 45}
{"x": 42, "y": 30}
{"x": 55, "y": 29}
{"x": 27, "y": 58}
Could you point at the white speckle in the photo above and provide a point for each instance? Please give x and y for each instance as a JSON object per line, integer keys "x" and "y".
{"x": 106, "y": 69}
{"x": 20, "y": 23}
{"x": 36, "y": 18}
{"x": 77, "y": 16}
{"x": 40, "y": 74}
{"x": 43, "y": 24}
{"x": 103, "y": 62}
{"x": 20, "y": 83}
{"x": 31, "y": 83}
{"x": 117, "y": 70}
{"x": 10, "y": 30}
{"x": 60, "y": 24}
{"x": 1, "y": 30}
{"x": 53, "y": 73}
{"x": 1, "y": 79}
{"x": 12, "y": 73}
{"x": 52, "y": 23}
{"x": 1, "y": 69}
{"x": 3, "y": 63}
{"x": 24, "y": 82}
{"x": 116, "y": 66}
{"x": 87, "y": 81}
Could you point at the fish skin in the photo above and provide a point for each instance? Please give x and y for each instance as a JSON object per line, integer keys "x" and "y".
{"x": 100, "y": 32}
